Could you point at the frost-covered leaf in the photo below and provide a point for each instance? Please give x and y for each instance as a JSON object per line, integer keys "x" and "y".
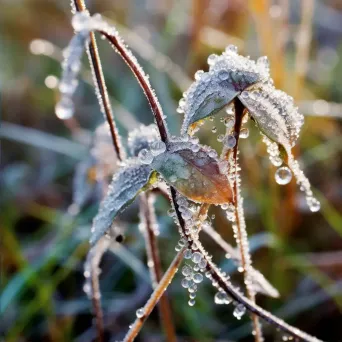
{"x": 228, "y": 75}
{"x": 194, "y": 171}
{"x": 125, "y": 186}
{"x": 141, "y": 138}
{"x": 274, "y": 112}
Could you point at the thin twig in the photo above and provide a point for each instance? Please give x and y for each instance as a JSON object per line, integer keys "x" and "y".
{"x": 241, "y": 237}
{"x": 155, "y": 297}
{"x": 131, "y": 61}
{"x": 100, "y": 84}
{"x": 149, "y": 222}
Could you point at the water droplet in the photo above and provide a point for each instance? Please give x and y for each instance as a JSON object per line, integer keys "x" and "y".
{"x": 140, "y": 313}
{"x": 229, "y": 122}
{"x": 186, "y": 271}
{"x": 171, "y": 212}
{"x": 188, "y": 254}
{"x": 230, "y": 141}
{"x": 196, "y": 257}
{"x": 157, "y": 147}
{"x": 223, "y": 75}
{"x": 222, "y": 298}
{"x": 231, "y": 49}
{"x": 197, "y": 278}
{"x": 283, "y": 175}
{"x": 191, "y": 302}
{"x": 211, "y": 59}
{"x": 145, "y": 156}
{"x": 239, "y": 311}
{"x": 214, "y": 129}
{"x": 192, "y": 295}
{"x": 230, "y": 110}
{"x": 244, "y": 133}
{"x": 220, "y": 137}
{"x": 198, "y": 74}
{"x": 185, "y": 283}
{"x": 64, "y": 108}
{"x": 173, "y": 178}
{"x": 202, "y": 263}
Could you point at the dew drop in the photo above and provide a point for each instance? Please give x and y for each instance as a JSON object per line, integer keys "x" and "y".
{"x": 185, "y": 283}
{"x": 197, "y": 278}
{"x": 222, "y": 298}
{"x": 188, "y": 254}
{"x": 231, "y": 49}
{"x": 196, "y": 257}
{"x": 220, "y": 137}
{"x": 186, "y": 271}
{"x": 230, "y": 141}
{"x": 223, "y": 75}
{"x": 198, "y": 74}
{"x": 145, "y": 156}
{"x": 191, "y": 302}
{"x": 244, "y": 133}
{"x": 214, "y": 129}
{"x": 64, "y": 108}
{"x": 140, "y": 312}
{"x": 239, "y": 311}
{"x": 211, "y": 59}
{"x": 283, "y": 175}
{"x": 229, "y": 122}
{"x": 157, "y": 147}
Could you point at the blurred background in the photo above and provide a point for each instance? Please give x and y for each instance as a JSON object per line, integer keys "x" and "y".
{"x": 43, "y": 246}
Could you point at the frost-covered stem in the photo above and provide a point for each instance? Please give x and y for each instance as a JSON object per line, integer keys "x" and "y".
{"x": 100, "y": 84}
{"x": 95, "y": 62}
{"x": 131, "y": 61}
{"x": 155, "y": 297}
{"x": 149, "y": 222}
{"x": 241, "y": 233}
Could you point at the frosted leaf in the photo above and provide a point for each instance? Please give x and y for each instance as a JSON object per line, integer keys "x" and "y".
{"x": 194, "y": 171}
{"x": 125, "y": 186}
{"x": 274, "y": 112}
{"x": 141, "y": 138}
{"x": 228, "y": 75}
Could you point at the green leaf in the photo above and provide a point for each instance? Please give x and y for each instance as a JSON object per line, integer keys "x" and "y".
{"x": 125, "y": 186}
{"x": 195, "y": 172}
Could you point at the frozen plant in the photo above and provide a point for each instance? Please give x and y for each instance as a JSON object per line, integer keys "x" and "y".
{"x": 195, "y": 175}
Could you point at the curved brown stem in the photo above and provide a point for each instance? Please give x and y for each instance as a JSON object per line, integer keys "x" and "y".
{"x": 149, "y": 222}
{"x": 155, "y": 297}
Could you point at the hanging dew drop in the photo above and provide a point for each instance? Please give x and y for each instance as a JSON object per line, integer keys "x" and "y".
{"x": 188, "y": 254}
{"x": 230, "y": 141}
{"x": 244, "y": 133}
{"x": 64, "y": 108}
{"x": 283, "y": 175}
{"x": 197, "y": 278}
{"x": 191, "y": 302}
{"x": 140, "y": 313}
{"x": 239, "y": 311}
{"x": 196, "y": 257}
{"x": 186, "y": 271}
{"x": 185, "y": 283}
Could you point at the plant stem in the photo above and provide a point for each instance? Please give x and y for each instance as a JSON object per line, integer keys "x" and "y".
{"x": 149, "y": 221}
{"x": 100, "y": 84}
{"x": 103, "y": 98}
{"x": 155, "y": 297}
{"x": 131, "y": 61}
{"x": 241, "y": 239}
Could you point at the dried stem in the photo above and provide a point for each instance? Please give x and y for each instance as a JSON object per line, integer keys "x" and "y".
{"x": 241, "y": 238}
{"x": 138, "y": 72}
{"x": 149, "y": 222}
{"x": 96, "y": 67}
{"x": 103, "y": 97}
{"x": 155, "y": 297}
